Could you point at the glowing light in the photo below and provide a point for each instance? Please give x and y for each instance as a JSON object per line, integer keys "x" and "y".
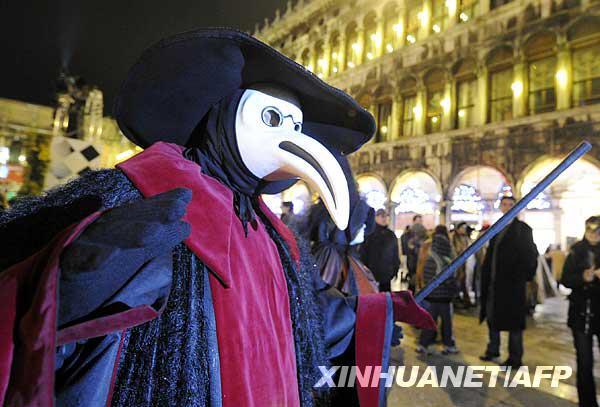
{"x": 451, "y": 5}
{"x": 436, "y": 28}
{"x": 309, "y": 67}
{"x": 124, "y": 155}
{"x": 389, "y": 48}
{"x": 369, "y": 55}
{"x": 411, "y": 38}
{"x": 356, "y": 47}
{"x": 423, "y": 17}
{"x": 22, "y": 158}
{"x": 445, "y": 103}
{"x": 398, "y": 28}
{"x": 414, "y": 200}
{"x": 321, "y": 62}
{"x": 335, "y": 69}
{"x": 384, "y": 129}
{"x": 463, "y": 17}
{"x": 334, "y": 55}
{"x": 418, "y": 111}
{"x": 461, "y": 113}
{"x": 320, "y": 75}
{"x": 351, "y": 64}
{"x": 376, "y": 38}
{"x": 562, "y": 77}
{"x": 4, "y": 155}
{"x": 517, "y": 88}
{"x": 466, "y": 199}
{"x": 3, "y": 171}
{"x": 435, "y": 119}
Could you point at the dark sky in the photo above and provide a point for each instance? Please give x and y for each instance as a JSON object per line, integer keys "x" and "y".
{"x": 100, "y": 39}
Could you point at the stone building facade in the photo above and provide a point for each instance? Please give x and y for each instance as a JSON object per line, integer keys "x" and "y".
{"x": 474, "y": 99}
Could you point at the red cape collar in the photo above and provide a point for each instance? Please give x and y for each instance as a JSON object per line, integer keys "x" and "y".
{"x": 161, "y": 168}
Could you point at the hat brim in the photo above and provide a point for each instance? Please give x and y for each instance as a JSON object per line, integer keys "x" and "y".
{"x": 176, "y": 81}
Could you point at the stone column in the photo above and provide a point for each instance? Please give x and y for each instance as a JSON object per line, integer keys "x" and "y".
{"x": 326, "y": 59}
{"x": 379, "y": 32}
{"x": 482, "y": 103}
{"x": 520, "y": 101}
{"x": 396, "y": 116}
{"x": 341, "y": 60}
{"x": 484, "y": 6}
{"x": 424, "y": 29}
{"x": 564, "y": 75}
{"x": 452, "y": 12}
{"x": 421, "y": 108}
{"x": 447, "y": 122}
{"x": 360, "y": 40}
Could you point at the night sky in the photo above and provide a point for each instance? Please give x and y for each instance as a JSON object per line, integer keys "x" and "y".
{"x": 100, "y": 39}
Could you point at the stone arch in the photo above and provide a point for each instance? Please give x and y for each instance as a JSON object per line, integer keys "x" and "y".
{"x": 373, "y": 188}
{"x": 474, "y": 194}
{"x": 558, "y": 214}
{"x": 415, "y": 191}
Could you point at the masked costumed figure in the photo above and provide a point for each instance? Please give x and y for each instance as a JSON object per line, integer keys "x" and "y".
{"x": 335, "y": 250}
{"x": 167, "y": 281}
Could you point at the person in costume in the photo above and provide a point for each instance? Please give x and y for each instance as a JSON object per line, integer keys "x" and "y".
{"x": 167, "y": 281}
{"x": 336, "y": 251}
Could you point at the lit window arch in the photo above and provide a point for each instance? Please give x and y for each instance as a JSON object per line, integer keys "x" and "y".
{"x": 584, "y": 39}
{"x": 540, "y": 52}
{"x": 500, "y": 94}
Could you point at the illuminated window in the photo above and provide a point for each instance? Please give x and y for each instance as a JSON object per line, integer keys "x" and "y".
{"x": 500, "y": 81}
{"x": 408, "y": 115}
{"x": 467, "y": 10}
{"x": 434, "y": 83}
{"x": 372, "y": 37}
{"x": 501, "y": 97}
{"x": 539, "y": 51}
{"x": 393, "y": 28}
{"x": 586, "y": 75}
{"x": 353, "y": 48}
{"x": 321, "y": 67}
{"x": 466, "y": 94}
{"x": 542, "y": 95}
{"x": 384, "y": 121}
{"x": 439, "y": 16}
{"x": 412, "y": 25}
{"x": 334, "y": 55}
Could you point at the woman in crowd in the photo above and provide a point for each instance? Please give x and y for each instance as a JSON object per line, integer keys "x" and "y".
{"x": 436, "y": 253}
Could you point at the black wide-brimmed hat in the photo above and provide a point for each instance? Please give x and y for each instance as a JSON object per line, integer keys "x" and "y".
{"x": 176, "y": 81}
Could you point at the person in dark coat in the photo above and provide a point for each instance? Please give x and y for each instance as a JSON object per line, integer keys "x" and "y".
{"x": 336, "y": 251}
{"x": 581, "y": 273}
{"x": 510, "y": 262}
{"x": 380, "y": 251}
{"x": 436, "y": 254}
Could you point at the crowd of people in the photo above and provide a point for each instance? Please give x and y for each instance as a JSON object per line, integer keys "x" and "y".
{"x": 506, "y": 279}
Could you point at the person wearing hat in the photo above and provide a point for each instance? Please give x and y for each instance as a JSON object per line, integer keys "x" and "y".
{"x": 167, "y": 281}
{"x": 336, "y": 251}
{"x": 581, "y": 273}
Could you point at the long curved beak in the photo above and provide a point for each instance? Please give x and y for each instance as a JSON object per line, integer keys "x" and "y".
{"x": 306, "y": 158}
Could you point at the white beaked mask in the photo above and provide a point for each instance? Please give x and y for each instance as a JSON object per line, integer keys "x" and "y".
{"x": 273, "y": 147}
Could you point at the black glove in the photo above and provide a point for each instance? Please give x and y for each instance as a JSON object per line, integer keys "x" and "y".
{"x": 111, "y": 250}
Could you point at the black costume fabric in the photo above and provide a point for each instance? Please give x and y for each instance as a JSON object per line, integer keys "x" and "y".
{"x": 167, "y": 360}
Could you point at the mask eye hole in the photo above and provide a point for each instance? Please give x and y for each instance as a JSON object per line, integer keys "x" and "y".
{"x": 297, "y": 127}
{"x": 272, "y": 117}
